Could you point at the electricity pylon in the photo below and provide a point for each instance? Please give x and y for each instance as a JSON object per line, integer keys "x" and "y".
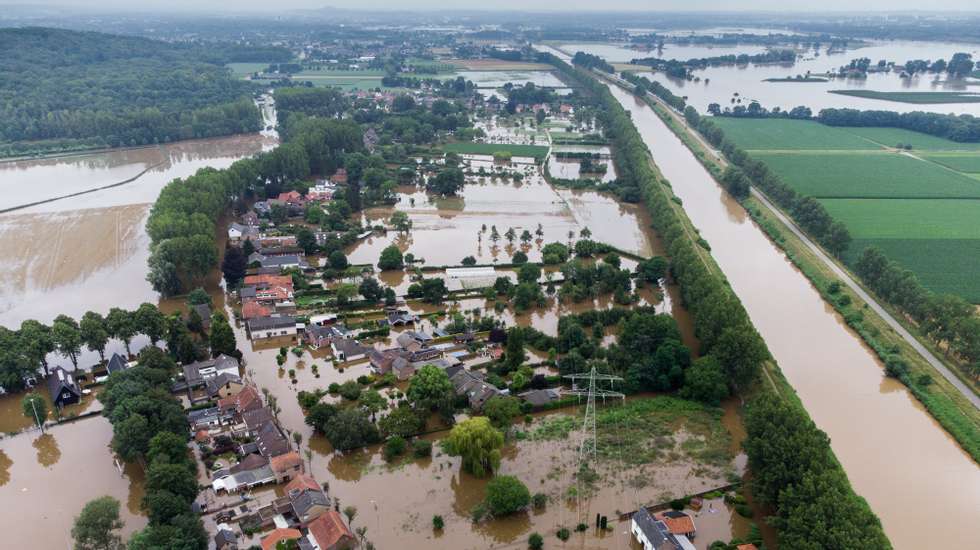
{"x": 589, "y": 445}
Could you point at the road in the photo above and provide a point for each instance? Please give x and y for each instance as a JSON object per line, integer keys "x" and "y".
{"x": 844, "y": 276}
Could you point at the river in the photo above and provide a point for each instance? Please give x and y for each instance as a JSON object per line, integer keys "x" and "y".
{"x": 895, "y": 454}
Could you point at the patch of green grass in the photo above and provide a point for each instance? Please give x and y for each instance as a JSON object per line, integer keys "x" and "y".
{"x": 471, "y": 148}
{"x": 891, "y": 137}
{"x": 962, "y": 162}
{"x": 862, "y": 175}
{"x": 941, "y": 265}
{"x": 921, "y": 98}
{"x": 242, "y": 69}
{"x": 778, "y": 133}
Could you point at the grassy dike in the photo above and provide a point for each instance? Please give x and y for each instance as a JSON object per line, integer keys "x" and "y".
{"x": 795, "y": 474}
{"x": 954, "y": 412}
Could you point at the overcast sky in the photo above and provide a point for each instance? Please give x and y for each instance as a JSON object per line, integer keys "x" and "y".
{"x": 523, "y": 5}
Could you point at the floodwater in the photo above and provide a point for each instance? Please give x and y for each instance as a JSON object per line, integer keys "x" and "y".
{"x": 721, "y": 84}
{"x": 620, "y": 53}
{"x": 46, "y": 479}
{"x": 894, "y": 453}
{"x": 90, "y": 251}
{"x": 497, "y": 79}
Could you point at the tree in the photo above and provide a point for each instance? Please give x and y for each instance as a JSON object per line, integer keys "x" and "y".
{"x": 514, "y": 355}
{"x": 93, "y": 333}
{"x": 306, "y": 240}
{"x": 150, "y": 322}
{"x": 529, "y": 273}
{"x": 469, "y": 260}
{"x": 478, "y": 443}
{"x": 234, "y": 265}
{"x": 507, "y": 495}
{"x": 502, "y": 410}
{"x": 35, "y": 407}
{"x": 519, "y": 258}
{"x": 222, "y": 337}
{"x": 351, "y": 428}
{"x": 705, "y": 381}
{"x": 320, "y": 415}
{"x": 539, "y": 116}
{"x": 373, "y": 402}
{"x": 337, "y": 260}
{"x": 370, "y": 289}
{"x": 535, "y": 541}
{"x": 652, "y": 269}
{"x": 351, "y": 513}
{"x": 199, "y": 296}
{"x": 447, "y": 182}
{"x": 554, "y": 253}
{"x": 175, "y": 478}
{"x": 400, "y": 221}
{"x": 163, "y": 506}
{"x": 430, "y": 388}
{"x": 402, "y": 421}
{"x": 67, "y": 337}
{"x": 95, "y": 527}
{"x": 121, "y": 324}
{"x": 36, "y": 342}
{"x": 390, "y": 259}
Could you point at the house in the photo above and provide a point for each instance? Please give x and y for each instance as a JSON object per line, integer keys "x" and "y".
{"x": 383, "y": 360}
{"x": 255, "y": 419}
{"x": 197, "y": 373}
{"x": 339, "y": 177}
{"x": 252, "y": 309}
{"x": 272, "y": 443}
{"x": 250, "y": 219}
{"x": 117, "y": 363}
{"x": 678, "y": 523}
{"x": 317, "y": 336}
{"x": 202, "y": 419}
{"x": 63, "y": 388}
{"x": 654, "y": 535}
{"x": 346, "y": 349}
{"x": 287, "y": 466}
{"x": 225, "y": 539}
{"x": 266, "y": 280}
{"x": 472, "y": 385}
{"x": 464, "y": 337}
{"x": 291, "y": 198}
{"x": 306, "y": 498}
{"x": 262, "y": 208}
{"x": 400, "y": 318}
{"x": 328, "y": 532}
{"x": 252, "y": 471}
{"x": 204, "y": 312}
{"x": 538, "y": 398}
{"x": 281, "y": 262}
{"x": 244, "y": 401}
{"x": 270, "y": 541}
{"x": 224, "y": 385}
{"x": 239, "y": 232}
{"x": 271, "y": 326}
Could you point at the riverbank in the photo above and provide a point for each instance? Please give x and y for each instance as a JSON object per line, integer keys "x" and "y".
{"x": 951, "y": 404}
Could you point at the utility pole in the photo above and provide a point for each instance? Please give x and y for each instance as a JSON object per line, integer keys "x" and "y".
{"x": 589, "y": 444}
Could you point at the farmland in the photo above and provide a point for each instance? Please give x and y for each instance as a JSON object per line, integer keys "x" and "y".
{"x": 918, "y": 206}
{"x": 471, "y": 148}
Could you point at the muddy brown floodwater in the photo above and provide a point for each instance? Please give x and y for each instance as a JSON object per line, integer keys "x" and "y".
{"x": 895, "y": 454}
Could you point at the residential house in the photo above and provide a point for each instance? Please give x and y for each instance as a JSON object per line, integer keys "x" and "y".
{"x": 339, "y": 177}
{"x": 211, "y": 417}
{"x": 271, "y": 326}
{"x": 400, "y": 318}
{"x": 292, "y": 198}
{"x": 196, "y": 374}
{"x": 239, "y": 232}
{"x": 262, "y": 208}
{"x": 678, "y": 523}
{"x": 63, "y": 388}
{"x": 323, "y": 319}
{"x": 272, "y": 443}
{"x": 317, "y": 336}
{"x": 287, "y": 466}
{"x": 654, "y": 535}
{"x": 251, "y": 471}
{"x": 472, "y": 385}
{"x": 281, "y": 262}
{"x": 307, "y": 499}
{"x": 347, "y": 349}
{"x": 328, "y": 532}
{"x": 226, "y": 538}
{"x": 246, "y": 400}
{"x": 250, "y": 219}
{"x": 538, "y": 398}
{"x": 253, "y": 308}
{"x": 117, "y": 363}
{"x": 272, "y": 540}
{"x": 224, "y": 385}
{"x": 255, "y": 419}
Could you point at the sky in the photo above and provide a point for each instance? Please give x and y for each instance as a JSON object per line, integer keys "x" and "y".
{"x": 521, "y": 5}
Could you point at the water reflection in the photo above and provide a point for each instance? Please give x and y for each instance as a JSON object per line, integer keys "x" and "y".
{"x": 48, "y": 452}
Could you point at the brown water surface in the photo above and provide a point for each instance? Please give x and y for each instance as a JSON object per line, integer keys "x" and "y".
{"x": 895, "y": 454}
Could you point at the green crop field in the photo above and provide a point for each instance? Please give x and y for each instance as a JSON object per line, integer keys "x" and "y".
{"x": 938, "y": 240}
{"x": 850, "y": 174}
{"x": 891, "y": 137}
{"x": 921, "y": 98}
{"x": 536, "y": 151}
{"x": 778, "y": 133}
{"x": 963, "y": 162}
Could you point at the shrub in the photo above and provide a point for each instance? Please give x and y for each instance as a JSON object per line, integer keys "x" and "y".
{"x": 535, "y": 541}
{"x": 506, "y": 495}
{"x": 394, "y": 447}
{"x": 438, "y": 523}
{"x": 333, "y": 387}
{"x": 350, "y": 390}
{"x": 581, "y": 527}
{"x": 563, "y": 534}
{"x": 422, "y": 448}
{"x": 539, "y": 501}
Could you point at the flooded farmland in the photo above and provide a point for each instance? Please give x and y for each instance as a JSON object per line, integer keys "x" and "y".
{"x": 894, "y": 453}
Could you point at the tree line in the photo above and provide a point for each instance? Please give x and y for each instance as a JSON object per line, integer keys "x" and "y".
{"x": 107, "y": 90}
{"x": 815, "y": 489}
{"x": 589, "y": 61}
{"x": 961, "y": 128}
{"x": 682, "y": 69}
{"x": 644, "y": 85}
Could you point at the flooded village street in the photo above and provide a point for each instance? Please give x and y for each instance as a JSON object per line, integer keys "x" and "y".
{"x": 894, "y": 453}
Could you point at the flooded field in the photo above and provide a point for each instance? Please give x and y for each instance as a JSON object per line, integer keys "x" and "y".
{"x": 84, "y": 252}
{"x": 722, "y": 84}
{"x": 46, "y": 479}
{"x": 894, "y": 453}
{"x": 496, "y": 79}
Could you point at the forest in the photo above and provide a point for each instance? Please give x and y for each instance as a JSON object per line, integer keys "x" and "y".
{"x": 84, "y": 89}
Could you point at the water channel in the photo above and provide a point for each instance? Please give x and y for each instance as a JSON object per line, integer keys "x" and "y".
{"x": 895, "y": 454}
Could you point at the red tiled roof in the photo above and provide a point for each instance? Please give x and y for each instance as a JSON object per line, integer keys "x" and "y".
{"x": 252, "y": 309}
{"x": 328, "y": 529}
{"x": 677, "y": 524}
{"x": 286, "y": 461}
{"x": 269, "y": 541}
{"x": 269, "y": 279}
{"x": 302, "y": 482}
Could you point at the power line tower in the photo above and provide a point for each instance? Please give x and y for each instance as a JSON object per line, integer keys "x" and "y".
{"x": 588, "y": 448}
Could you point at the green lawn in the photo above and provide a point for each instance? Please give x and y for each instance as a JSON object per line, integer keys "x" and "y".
{"x": 536, "y": 151}
{"x": 777, "y": 133}
{"x": 850, "y": 174}
{"x": 920, "y": 142}
{"x": 921, "y": 98}
{"x": 963, "y": 162}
